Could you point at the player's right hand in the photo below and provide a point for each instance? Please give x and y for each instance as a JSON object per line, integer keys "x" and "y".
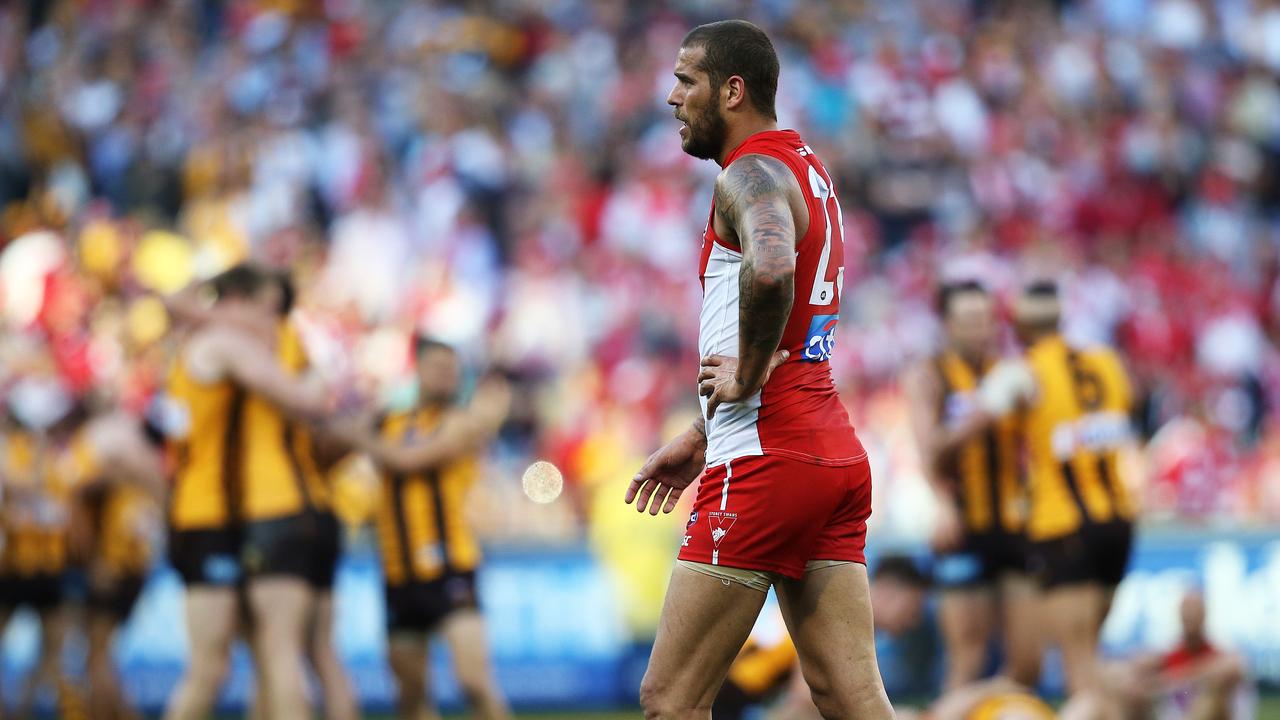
{"x": 1006, "y": 385}
{"x": 666, "y": 474}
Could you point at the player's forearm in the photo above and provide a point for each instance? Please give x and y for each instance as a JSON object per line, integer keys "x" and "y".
{"x": 766, "y": 295}
{"x": 302, "y": 401}
{"x": 948, "y": 440}
{"x": 409, "y": 459}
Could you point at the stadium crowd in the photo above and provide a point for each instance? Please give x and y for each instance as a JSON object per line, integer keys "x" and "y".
{"x": 504, "y": 176}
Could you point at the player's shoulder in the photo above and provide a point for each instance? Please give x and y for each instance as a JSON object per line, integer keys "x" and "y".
{"x": 754, "y": 169}
{"x": 754, "y": 176}
{"x": 1099, "y": 354}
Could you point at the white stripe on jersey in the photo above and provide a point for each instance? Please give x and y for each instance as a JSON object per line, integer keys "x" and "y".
{"x": 734, "y": 432}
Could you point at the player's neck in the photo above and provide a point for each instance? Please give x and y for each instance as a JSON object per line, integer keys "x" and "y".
{"x": 738, "y": 135}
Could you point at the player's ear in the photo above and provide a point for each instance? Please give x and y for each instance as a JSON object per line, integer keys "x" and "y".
{"x": 734, "y": 91}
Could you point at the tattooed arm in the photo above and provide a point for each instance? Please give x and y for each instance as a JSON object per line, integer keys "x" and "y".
{"x": 756, "y": 200}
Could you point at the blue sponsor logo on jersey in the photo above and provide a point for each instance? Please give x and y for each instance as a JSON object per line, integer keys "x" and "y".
{"x": 821, "y": 339}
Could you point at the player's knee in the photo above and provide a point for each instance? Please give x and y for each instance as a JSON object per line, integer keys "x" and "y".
{"x": 652, "y": 697}
{"x": 658, "y": 702}
{"x": 475, "y": 689}
{"x": 853, "y": 695}
{"x": 1024, "y": 670}
{"x": 409, "y": 676}
{"x": 206, "y": 672}
{"x": 826, "y": 702}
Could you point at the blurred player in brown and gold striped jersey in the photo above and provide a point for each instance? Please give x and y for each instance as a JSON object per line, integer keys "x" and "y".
{"x": 243, "y": 503}
{"x": 971, "y": 457}
{"x": 116, "y": 520}
{"x": 1075, "y": 422}
{"x": 264, "y": 547}
{"x": 429, "y": 457}
{"x": 44, "y": 457}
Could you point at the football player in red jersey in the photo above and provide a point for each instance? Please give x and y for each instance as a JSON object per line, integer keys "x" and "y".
{"x": 785, "y": 490}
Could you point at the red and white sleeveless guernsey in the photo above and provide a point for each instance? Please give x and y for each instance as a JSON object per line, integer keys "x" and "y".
{"x": 797, "y": 415}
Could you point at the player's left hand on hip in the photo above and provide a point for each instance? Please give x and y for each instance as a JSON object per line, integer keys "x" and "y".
{"x": 718, "y": 379}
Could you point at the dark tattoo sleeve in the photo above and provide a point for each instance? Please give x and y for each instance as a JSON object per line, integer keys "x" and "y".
{"x": 751, "y": 196}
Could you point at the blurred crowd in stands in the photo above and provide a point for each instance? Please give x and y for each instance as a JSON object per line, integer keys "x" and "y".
{"x": 505, "y": 176}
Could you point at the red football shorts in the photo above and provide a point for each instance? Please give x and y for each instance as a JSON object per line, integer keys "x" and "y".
{"x": 774, "y": 514}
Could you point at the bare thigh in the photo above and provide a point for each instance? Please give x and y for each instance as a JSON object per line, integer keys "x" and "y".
{"x": 281, "y": 609}
{"x": 464, "y": 632}
{"x": 704, "y": 622}
{"x": 1019, "y": 597}
{"x": 968, "y": 618}
{"x": 211, "y": 615}
{"x": 829, "y": 615}
{"x": 1069, "y": 615}
{"x": 407, "y": 656}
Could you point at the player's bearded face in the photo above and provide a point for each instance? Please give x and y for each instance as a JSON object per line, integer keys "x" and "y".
{"x": 707, "y": 129}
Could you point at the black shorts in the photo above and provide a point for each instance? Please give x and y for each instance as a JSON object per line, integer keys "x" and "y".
{"x": 117, "y": 597}
{"x": 1096, "y": 553}
{"x": 327, "y": 549}
{"x": 205, "y": 557}
{"x": 422, "y": 606}
{"x": 38, "y": 592}
{"x": 300, "y": 546}
{"x": 981, "y": 561}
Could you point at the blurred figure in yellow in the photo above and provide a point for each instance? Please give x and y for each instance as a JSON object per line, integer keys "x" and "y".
{"x": 44, "y": 457}
{"x": 429, "y": 458}
{"x": 1075, "y": 423}
{"x": 994, "y": 699}
{"x": 970, "y": 452}
{"x": 116, "y": 520}
{"x": 244, "y": 500}
{"x": 317, "y": 558}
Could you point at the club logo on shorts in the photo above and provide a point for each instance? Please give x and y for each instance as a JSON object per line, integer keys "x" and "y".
{"x": 720, "y": 524}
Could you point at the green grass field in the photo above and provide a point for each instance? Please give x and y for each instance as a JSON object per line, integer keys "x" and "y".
{"x": 1268, "y": 709}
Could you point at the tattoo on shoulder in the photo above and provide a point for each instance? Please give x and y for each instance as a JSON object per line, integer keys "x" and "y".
{"x": 751, "y": 195}
{"x": 750, "y": 180}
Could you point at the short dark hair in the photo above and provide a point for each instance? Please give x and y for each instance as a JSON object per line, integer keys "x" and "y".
{"x": 423, "y": 344}
{"x": 1044, "y": 312}
{"x": 949, "y": 291}
{"x": 903, "y": 569}
{"x": 1043, "y": 289}
{"x": 737, "y": 47}
{"x": 241, "y": 281}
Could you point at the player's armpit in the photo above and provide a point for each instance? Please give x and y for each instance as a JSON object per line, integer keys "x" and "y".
{"x": 753, "y": 196}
